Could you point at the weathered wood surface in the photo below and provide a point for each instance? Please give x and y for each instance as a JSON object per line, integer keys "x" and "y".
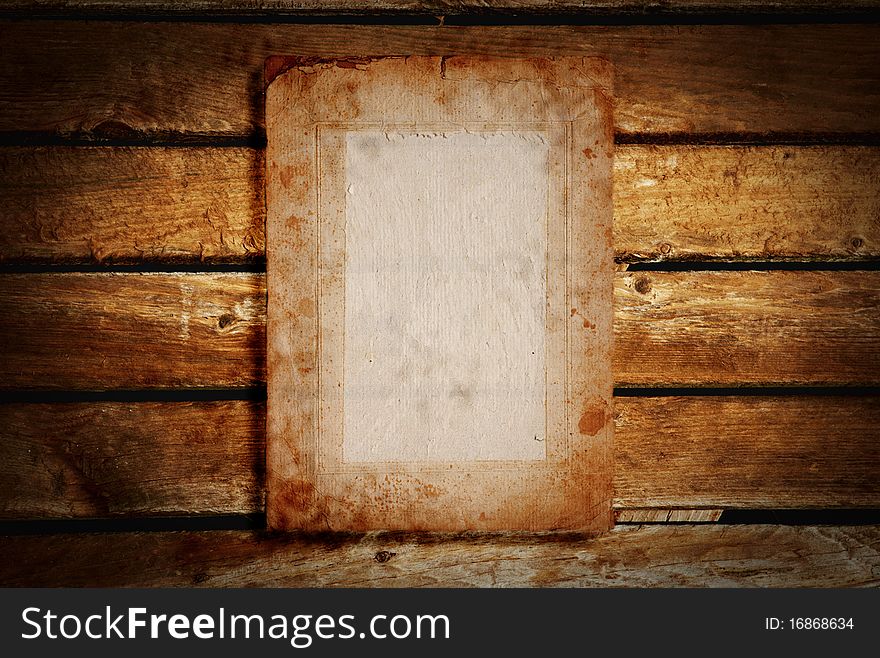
{"x": 748, "y": 452}
{"x": 121, "y": 80}
{"x": 702, "y": 454}
{"x": 661, "y": 515}
{"x": 129, "y": 331}
{"x": 107, "y": 459}
{"x": 630, "y": 556}
{"x": 120, "y": 204}
{"x": 131, "y": 204}
{"x": 104, "y": 331}
{"x": 733, "y": 328}
{"x": 519, "y": 8}
{"x": 764, "y": 203}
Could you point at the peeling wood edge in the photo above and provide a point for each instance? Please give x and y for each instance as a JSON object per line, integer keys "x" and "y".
{"x": 662, "y": 516}
{"x": 278, "y": 65}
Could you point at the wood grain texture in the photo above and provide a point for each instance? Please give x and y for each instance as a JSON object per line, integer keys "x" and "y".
{"x": 119, "y": 80}
{"x": 110, "y": 459}
{"x": 697, "y": 455}
{"x": 630, "y": 556}
{"x": 735, "y": 328}
{"x": 663, "y": 515}
{"x": 131, "y": 204}
{"x": 748, "y": 452}
{"x": 520, "y": 8}
{"x": 732, "y": 203}
{"x": 124, "y": 331}
{"x": 119, "y": 204}
{"x": 106, "y": 331}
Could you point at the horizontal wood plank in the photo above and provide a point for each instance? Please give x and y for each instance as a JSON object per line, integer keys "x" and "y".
{"x": 125, "y": 331}
{"x": 630, "y": 556}
{"x": 149, "y": 458}
{"x": 739, "y": 328}
{"x": 121, "y": 80}
{"x": 131, "y": 204}
{"x": 698, "y": 455}
{"x": 733, "y": 203}
{"x": 122, "y": 204}
{"x": 520, "y": 8}
{"x": 112, "y": 331}
{"x": 792, "y": 452}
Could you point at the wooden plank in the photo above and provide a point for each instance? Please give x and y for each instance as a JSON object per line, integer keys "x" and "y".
{"x": 697, "y": 455}
{"x": 748, "y": 452}
{"x": 121, "y": 80}
{"x": 112, "y": 331}
{"x": 131, "y": 204}
{"x": 739, "y": 328}
{"x": 732, "y": 203}
{"x": 107, "y": 331}
{"x": 108, "y": 459}
{"x": 663, "y": 515}
{"x": 122, "y": 204}
{"x": 630, "y": 556}
{"x": 520, "y": 8}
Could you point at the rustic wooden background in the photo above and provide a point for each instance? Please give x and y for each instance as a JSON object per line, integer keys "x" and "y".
{"x": 132, "y": 303}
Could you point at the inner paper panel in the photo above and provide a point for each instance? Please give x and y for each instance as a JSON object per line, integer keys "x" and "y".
{"x": 445, "y": 296}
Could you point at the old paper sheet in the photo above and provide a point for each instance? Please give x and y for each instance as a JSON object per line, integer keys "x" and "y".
{"x": 439, "y": 268}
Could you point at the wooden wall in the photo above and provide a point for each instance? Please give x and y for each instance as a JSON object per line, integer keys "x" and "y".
{"x": 132, "y": 302}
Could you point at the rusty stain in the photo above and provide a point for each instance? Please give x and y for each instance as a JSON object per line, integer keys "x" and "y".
{"x": 586, "y": 323}
{"x": 429, "y": 490}
{"x": 289, "y": 173}
{"x": 592, "y": 420}
{"x": 306, "y": 307}
{"x": 300, "y": 495}
{"x": 588, "y": 152}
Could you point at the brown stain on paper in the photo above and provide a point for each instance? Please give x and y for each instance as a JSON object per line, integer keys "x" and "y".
{"x": 306, "y": 307}
{"x": 592, "y": 420}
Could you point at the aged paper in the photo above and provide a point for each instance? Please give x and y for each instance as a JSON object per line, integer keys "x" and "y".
{"x": 439, "y": 270}
{"x": 445, "y": 289}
